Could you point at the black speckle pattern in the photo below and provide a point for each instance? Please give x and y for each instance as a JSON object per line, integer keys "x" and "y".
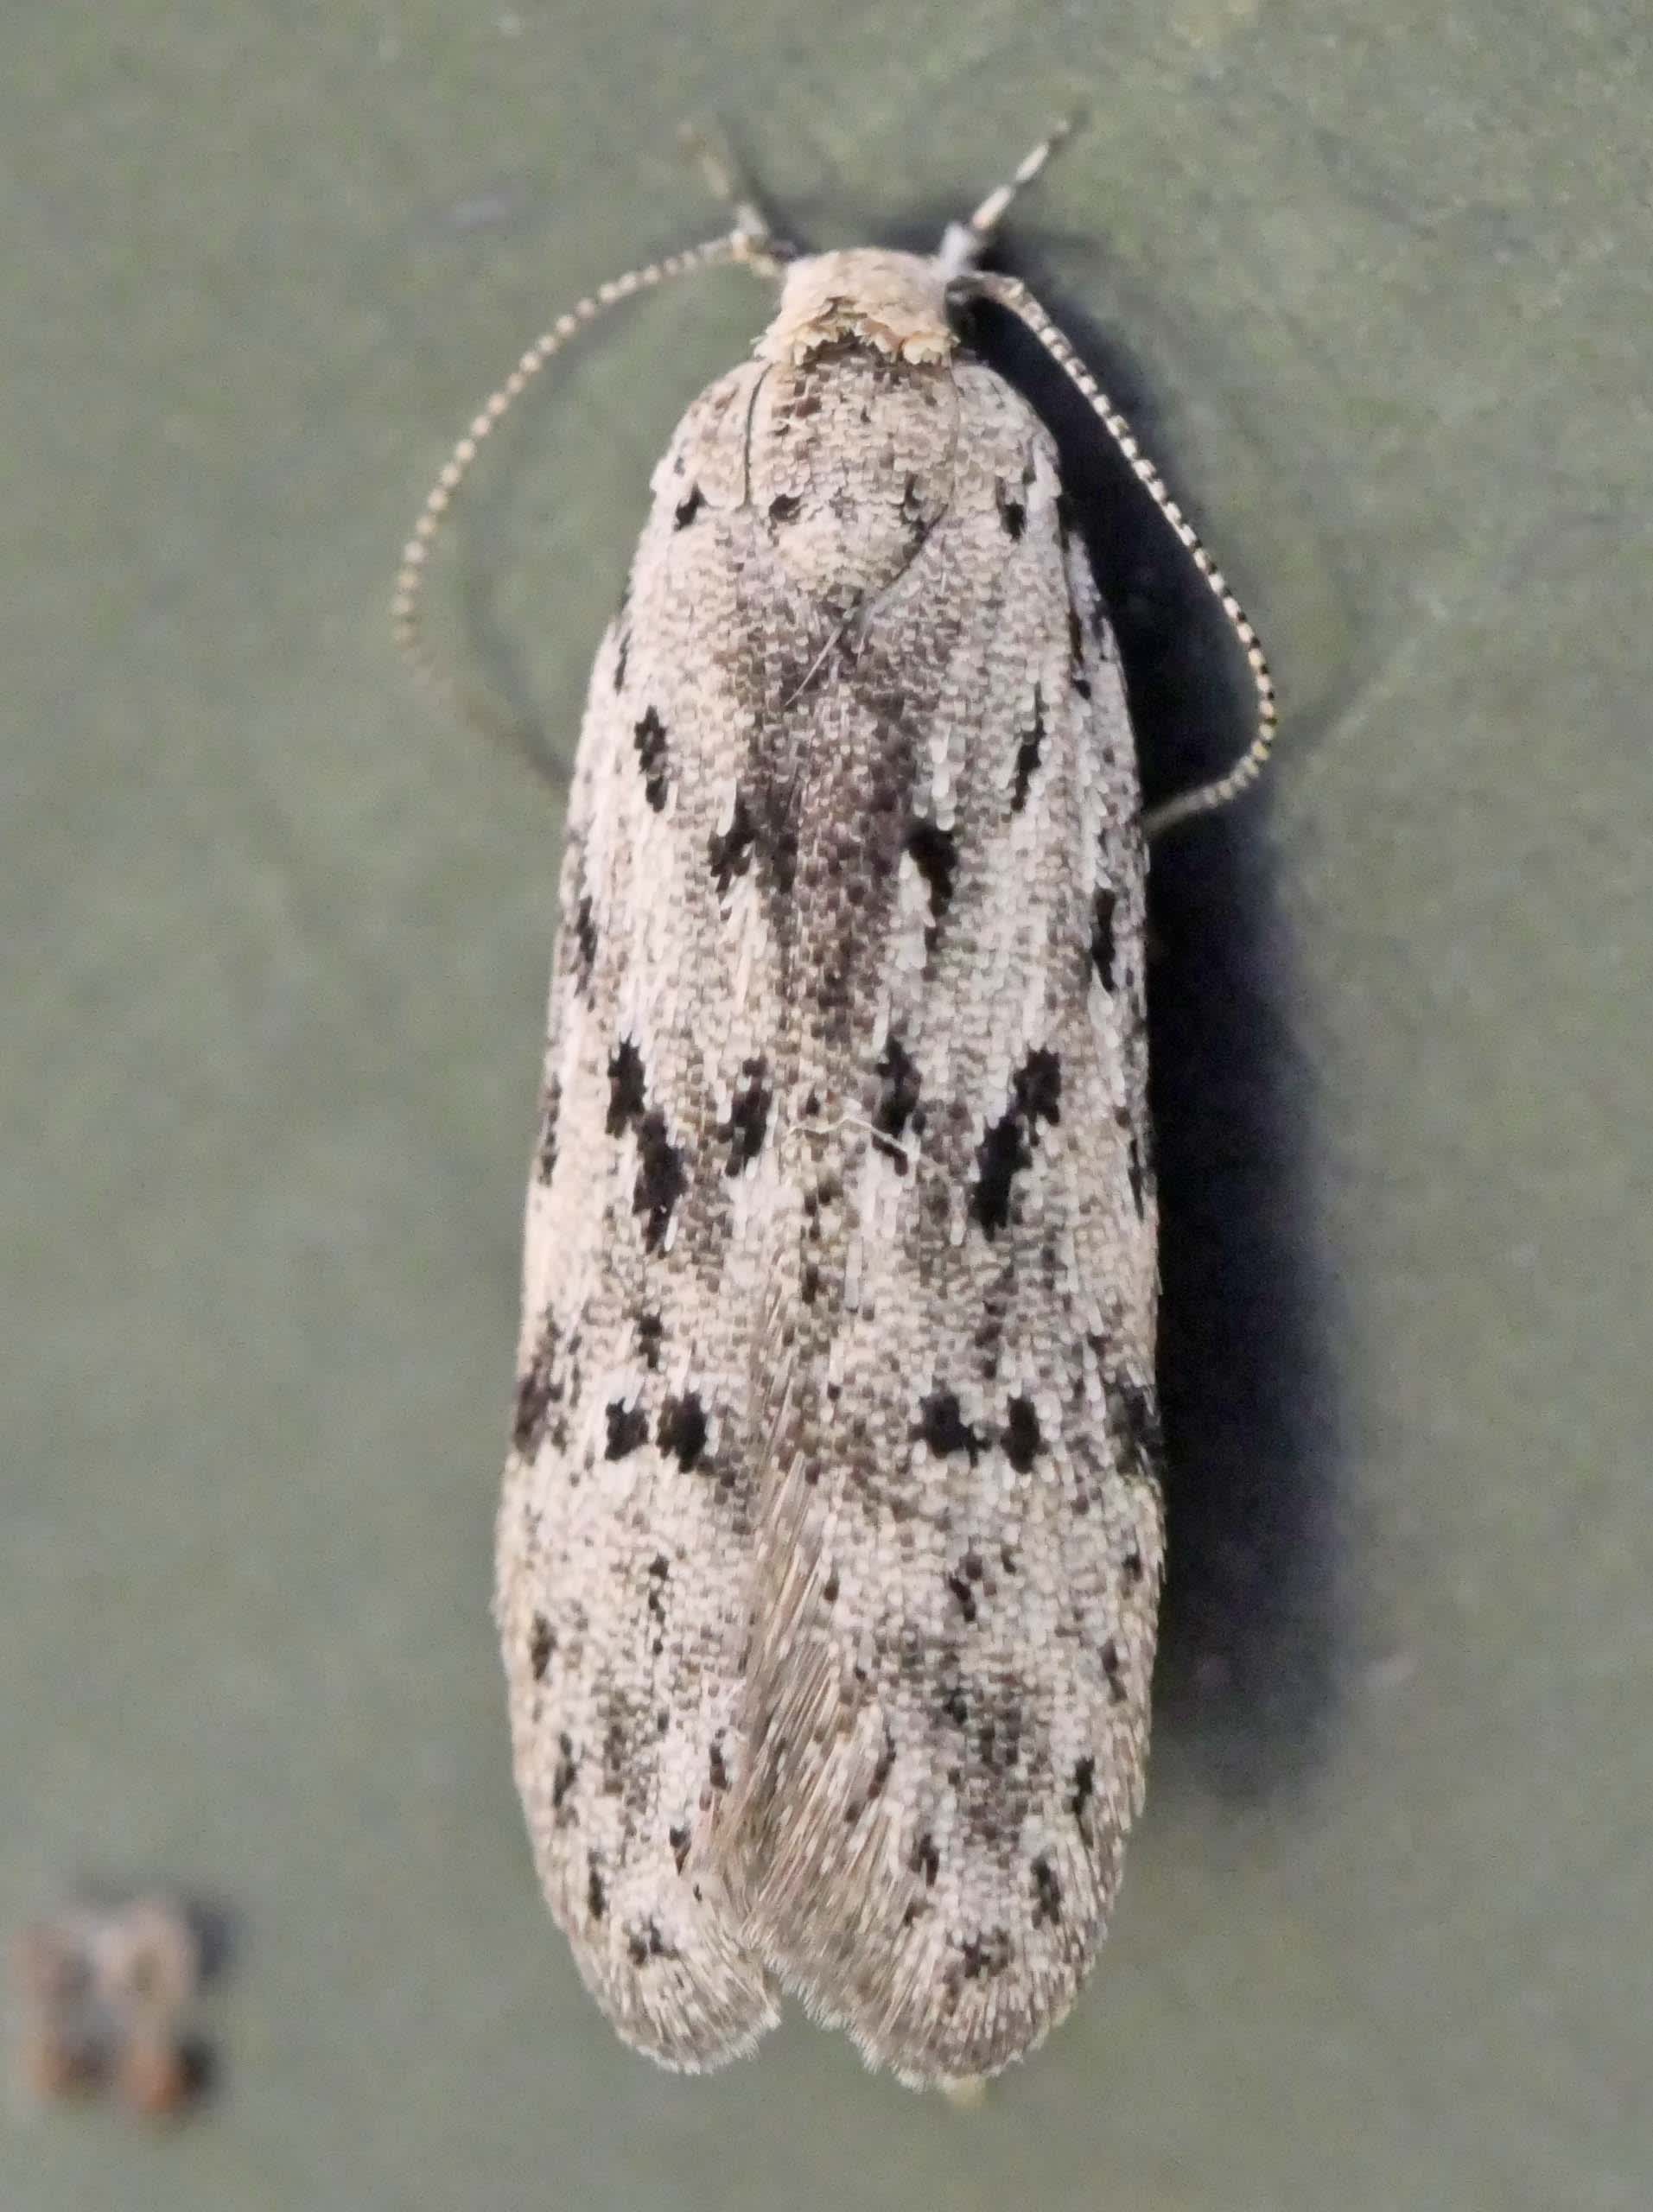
{"x": 1134, "y": 1424}
{"x": 682, "y": 1431}
{"x": 585, "y": 945}
{"x": 627, "y": 1425}
{"x": 1022, "y": 1441}
{"x": 1101, "y": 936}
{"x": 935, "y": 854}
{"x": 748, "y": 1120}
{"x": 986, "y": 1956}
{"x": 537, "y": 1390}
{"x": 898, "y": 1096}
{"x": 626, "y": 1094}
{"x": 566, "y": 1773}
{"x": 730, "y": 850}
{"x": 1006, "y": 1149}
{"x": 1048, "y": 1893}
{"x": 943, "y": 1428}
{"x": 550, "y": 1107}
{"x": 1027, "y": 753}
{"x": 965, "y": 1581}
{"x": 650, "y": 736}
{"x": 1081, "y": 681}
{"x": 1083, "y": 1790}
{"x": 661, "y": 1179}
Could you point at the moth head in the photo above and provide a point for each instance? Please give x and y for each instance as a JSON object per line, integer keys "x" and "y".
{"x": 892, "y": 303}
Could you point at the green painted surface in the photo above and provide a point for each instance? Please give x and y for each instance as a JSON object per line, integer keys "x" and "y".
{"x": 274, "y": 939}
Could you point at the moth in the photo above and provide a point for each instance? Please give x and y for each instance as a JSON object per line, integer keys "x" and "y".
{"x": 832, "y": 1538}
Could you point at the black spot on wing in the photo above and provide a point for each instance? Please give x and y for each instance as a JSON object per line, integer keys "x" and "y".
{"x": 1013, "y": 512}
{"x": 650, "y": 1331}
{"x": 1132, "y": 1420}
{"x": 537, "y": 1392}
{"x": 964, "y": 1581}
{"x": 1037, "y": 1087}
{"x": 1076, "y": 652}
{"x": 660, "y": 1575}
{"x": 542, "y": 1642}
{"x": 1027, "y": 753}
{"x": 645, "y": 1943}
{"x": 785, "y": 507}
{"x": 627, "y": 1425}
{"x": 984, "y": 1957}
{"x": 1006, "y": 1149}
{"x": 626, "y": 1088}
{"x": 1047, "y": 1893}
{"x": 1101, "y": 936}
{"x": 935, "y": 854}
{"x": 585, "y": 945}
{"x": 1022, "y": 1440}
{"x": 1001, "y": 1156}
{"x": 566, "y": 1775}
{"x": 550, "y": 1106}
{"x": 681, "y": 1429}
{"x": 941, "y": 1425}
{"x": 1083, "y": 1790}
{"x": 688, "y": 508}
{"x": 743, "y": 1132}
{"x": 661, "y": 1179}
{"x": 650, "y": 736}
{"x": 729, "y": 851}
{"x": 897, "y": 1098}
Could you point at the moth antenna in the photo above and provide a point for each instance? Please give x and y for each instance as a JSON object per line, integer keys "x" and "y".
{"x": 738, "y": 244}
{"x": 1205, "y": 798}
{"x": 963, "y": 244}
{"x": 725, "y": 180}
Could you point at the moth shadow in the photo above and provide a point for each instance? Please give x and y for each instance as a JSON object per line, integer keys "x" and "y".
{"x": 1248, "y": 1658}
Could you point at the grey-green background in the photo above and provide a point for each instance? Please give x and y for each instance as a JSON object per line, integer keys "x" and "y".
{"x": 1376, "y": 277}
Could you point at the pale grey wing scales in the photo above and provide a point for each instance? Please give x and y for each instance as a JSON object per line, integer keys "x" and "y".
{"x": 626, "y": 1525}
{"x": 959, "y": 1526}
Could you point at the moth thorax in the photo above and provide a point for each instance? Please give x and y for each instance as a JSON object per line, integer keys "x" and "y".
{"x": 895, "y": 303}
